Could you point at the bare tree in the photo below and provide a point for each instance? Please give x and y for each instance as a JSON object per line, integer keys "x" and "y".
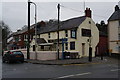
{"x": 5, "y": 33}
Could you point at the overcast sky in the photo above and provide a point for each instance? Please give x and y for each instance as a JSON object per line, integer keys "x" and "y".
{"x": 14, "y": 13}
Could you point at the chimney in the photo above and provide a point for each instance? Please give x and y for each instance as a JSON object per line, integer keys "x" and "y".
{"x": 116, "y": 8}
{"x": 88, "y": 12}
{"x": 42, "y": 24}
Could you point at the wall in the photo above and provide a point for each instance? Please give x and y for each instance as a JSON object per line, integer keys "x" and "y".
{"x": 113, "y": 36}
{"x": 94, "y": 38}
{"x": 43, "y": 55}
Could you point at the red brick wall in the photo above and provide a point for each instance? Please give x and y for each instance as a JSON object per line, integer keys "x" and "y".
{"x": 103, "y": 45}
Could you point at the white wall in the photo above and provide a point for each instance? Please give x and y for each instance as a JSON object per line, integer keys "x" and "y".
{"x": 113, "y": 36}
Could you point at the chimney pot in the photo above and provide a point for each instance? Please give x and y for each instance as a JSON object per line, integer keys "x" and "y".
{"x": 88, "y": 12}
{"x": 116, "y": 8}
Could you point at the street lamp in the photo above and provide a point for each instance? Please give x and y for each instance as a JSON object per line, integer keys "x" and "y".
{"x": 35, "y": 27}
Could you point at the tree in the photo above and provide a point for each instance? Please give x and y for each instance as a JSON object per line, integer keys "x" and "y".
{"x": 5, "y": 33}
{"x": 102, "y": 27}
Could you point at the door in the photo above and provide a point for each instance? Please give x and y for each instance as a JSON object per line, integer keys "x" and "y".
{"x": 33, "y": 47}
{"x": 83, "y": 49}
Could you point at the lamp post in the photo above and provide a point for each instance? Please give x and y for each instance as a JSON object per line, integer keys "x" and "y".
{"x": 35, "y": 26}
{"x": 90, "y": 48}
{"x": 28, "y": 44}
{"x": 58, "y": 6}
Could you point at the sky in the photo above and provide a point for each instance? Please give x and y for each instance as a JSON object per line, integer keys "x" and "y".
{"x": 14, "y": 12}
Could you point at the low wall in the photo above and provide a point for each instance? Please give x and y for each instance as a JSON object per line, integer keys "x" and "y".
{"x": 43, "y": 55}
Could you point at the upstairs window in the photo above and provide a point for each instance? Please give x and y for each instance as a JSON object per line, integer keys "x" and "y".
{"x": 86, "y": 32}
{"x": 73, "y": 34}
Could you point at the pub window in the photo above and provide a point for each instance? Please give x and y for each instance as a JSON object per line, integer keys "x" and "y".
{"x": 73, "y": 34}
{"x": 119, "y": 23}
{"x": 42, "y": 47}
{"x": 66, "y": 33}
{"x": 72, "y": 45}
{"x": 119, "y": 36}
{"x": 86, "y": 32}
{"x": 48, "y": 35}
{"x": 66, "y": 46}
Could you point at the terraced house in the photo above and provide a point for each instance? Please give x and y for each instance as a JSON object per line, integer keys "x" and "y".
{"x": 76, "y": 35}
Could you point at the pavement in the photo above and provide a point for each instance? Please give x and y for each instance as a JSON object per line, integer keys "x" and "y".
{"x": 67, "y": 61}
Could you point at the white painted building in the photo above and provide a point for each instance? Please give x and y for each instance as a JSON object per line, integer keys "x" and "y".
{"x": 80, "y": 33}
{"x": 114, "y": 31}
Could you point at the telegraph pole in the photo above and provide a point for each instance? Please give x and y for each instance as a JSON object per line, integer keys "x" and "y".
{"x": 28, "y": 43}
{"x": 58, "y": 6}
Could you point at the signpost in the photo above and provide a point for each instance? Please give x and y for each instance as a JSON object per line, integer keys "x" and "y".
{"x": 64, "y": 40}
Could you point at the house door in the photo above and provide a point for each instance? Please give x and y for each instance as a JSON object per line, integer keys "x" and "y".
{"x": 83, "y": 49}
{"x": 33, "y": 47}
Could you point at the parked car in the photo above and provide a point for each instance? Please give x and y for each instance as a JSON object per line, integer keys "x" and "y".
{"x": 13, "y": 56}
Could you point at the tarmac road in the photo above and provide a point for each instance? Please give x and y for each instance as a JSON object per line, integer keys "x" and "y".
{"x": 29, "y": 70}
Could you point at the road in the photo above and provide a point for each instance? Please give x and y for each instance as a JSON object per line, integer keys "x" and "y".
{"x": 29, "y": 70}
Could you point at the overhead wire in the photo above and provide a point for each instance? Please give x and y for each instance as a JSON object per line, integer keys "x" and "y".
{"x": 81, "y": 11}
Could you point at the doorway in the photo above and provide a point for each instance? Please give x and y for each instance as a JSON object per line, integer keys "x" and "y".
{"x": 83, "y": 49}
{"x": 33, "y": 47}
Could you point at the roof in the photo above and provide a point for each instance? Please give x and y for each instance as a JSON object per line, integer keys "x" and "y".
{"x": 64, "y": 25}
{"x": 41, "y": 40}
{"x": 115, "y": 16}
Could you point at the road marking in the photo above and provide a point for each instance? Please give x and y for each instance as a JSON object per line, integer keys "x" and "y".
{"x": 115, "y": 70}
{"x": 74, "y": 75}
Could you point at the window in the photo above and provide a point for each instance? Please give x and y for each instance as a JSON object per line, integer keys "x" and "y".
{"x": 66, "y": 33}
{"x": 72, "y": 45}
{"x": 86, "y": 32}
{"x": 42, "y": 47}
{"x": 48, "y": 35}
{"x": 19, "y": 37}
{"x": 119, "y": 36}
{"x": 119, "y": 23}
{"x": 66, "y": 46}
{"x": 73, "y": 34}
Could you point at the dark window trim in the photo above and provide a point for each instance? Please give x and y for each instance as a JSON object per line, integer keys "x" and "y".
{"x": 86, "y": 32}
{"x": 66, "y": 46}
{"x": 66, "y": 33}
{"x": 72, "y": 47}
{"x": 48, "y": 35}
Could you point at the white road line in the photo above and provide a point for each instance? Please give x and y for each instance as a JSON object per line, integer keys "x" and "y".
{"x": 74, "y": 75}
{"x": 115, "y": 70}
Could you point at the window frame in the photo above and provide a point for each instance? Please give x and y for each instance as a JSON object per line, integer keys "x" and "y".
{"x": 86, "y": 32}
{"x": 74, "y": 31}
{"x": 66, "y": 33}
{"x": 49, "y": 35}
{"x": 72, "y": 45}
{"x": 66, "y": 46}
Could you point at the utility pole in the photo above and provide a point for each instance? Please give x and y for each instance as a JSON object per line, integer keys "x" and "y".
{"x": 28, "y": 43}
{"x": 58, "y": 6}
